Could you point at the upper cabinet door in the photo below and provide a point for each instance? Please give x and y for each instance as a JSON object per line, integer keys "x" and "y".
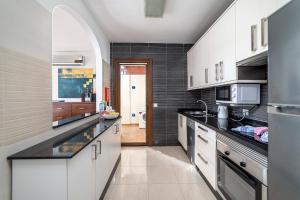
{"x": 247, "y": 28}
{"x": 191, "y": 67}
{"x": 225, "y": 67}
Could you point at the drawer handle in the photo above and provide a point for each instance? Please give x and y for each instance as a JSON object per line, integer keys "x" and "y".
{"x": 81, "y": 108}
{"x": 201, "y": 138}
{"x": 202, "y": 129}
{"x": 205, "y": 161}
{"x": 59, "y": 108}
{"x": 59, "y": 117}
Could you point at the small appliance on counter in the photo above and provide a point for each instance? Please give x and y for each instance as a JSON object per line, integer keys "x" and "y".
{"x": 222, "y": 112}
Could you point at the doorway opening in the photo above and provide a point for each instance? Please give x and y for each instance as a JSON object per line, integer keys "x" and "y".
{"x": 133, "y": 99}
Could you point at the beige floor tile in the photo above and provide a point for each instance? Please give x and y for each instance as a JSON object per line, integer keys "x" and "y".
{"x": 187, "y": 174}
{"x": 197, "y": 192}
{"x": 127, "y": 192}
{"x": 131, "y": 175}
{"x": 161, "y": 174}
{"x": 165, "y": 192}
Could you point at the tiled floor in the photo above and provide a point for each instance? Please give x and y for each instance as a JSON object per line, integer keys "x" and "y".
{"x": 157, "y": 173}
{"x": 133, "y": 134}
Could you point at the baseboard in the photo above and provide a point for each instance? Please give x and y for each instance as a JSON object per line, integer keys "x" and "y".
{"x": 110, "y": 178}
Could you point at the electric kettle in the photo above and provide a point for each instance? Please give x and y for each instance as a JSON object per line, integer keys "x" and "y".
{"x": 222, "y": 112}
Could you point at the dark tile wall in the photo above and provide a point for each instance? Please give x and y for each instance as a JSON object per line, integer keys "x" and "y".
{"x": 169, "y": 83}
{"x": 169, "y": 87}
{"x": 258, "y": 113}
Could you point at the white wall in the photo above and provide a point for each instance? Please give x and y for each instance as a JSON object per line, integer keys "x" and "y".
{"x": 80, "y": 9}
{"x": 132, "y": 100}
{"x": 25, "y": 79}
{"x": 69, "y": 38}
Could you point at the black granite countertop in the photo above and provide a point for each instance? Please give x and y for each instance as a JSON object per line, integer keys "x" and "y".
{"x": 66, "y": 145}
{"x": 69, "y": 120}
{"x": 224, "y": 127}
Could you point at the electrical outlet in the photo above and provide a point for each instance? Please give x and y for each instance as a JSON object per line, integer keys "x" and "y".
{"x": 246, "y": 112}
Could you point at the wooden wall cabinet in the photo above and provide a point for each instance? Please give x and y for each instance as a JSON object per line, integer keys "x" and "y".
{"x": 63, "y": 110}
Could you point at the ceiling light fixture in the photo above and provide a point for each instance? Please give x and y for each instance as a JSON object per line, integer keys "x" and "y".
{"x": 154, "y": 8}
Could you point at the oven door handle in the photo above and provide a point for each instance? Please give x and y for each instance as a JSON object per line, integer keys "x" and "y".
{"x": 243, "y": 174}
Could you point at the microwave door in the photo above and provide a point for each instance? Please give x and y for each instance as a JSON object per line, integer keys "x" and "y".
{"x": 223, "y": 93}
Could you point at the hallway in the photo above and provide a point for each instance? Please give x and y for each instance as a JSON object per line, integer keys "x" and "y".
{"x": 157, "y": 173}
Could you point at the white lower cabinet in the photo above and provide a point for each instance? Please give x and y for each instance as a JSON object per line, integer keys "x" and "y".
{"x": 82, "y": 177}
{"x": 182, "y": 131}
{"x": 205, "y": 153}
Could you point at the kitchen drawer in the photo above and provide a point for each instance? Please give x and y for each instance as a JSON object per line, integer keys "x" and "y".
{"x": 205, "y": 132}
{"x": 81, "y": 108}
{"x": 206, "y": 146}
{"x": 61, "y": 111}
{"x": 206, "y": 167}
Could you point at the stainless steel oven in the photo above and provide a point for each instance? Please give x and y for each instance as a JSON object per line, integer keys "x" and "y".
{"x": 242, "y": 173}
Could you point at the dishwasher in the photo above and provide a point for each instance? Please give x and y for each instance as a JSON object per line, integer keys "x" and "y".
{"x": 191, "y": 139}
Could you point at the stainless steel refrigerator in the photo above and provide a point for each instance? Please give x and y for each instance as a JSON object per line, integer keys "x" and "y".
{"x": 284, "y": 103}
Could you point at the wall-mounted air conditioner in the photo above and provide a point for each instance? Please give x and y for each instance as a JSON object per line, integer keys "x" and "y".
{"x": 68, "y": 60}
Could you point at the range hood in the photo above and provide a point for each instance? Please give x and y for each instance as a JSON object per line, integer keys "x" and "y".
{"x": 68, "y": 60}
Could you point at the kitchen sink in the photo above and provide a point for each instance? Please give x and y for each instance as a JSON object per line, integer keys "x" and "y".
{"x": 199, "y": 114}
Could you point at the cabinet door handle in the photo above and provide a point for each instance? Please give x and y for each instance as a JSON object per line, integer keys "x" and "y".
{"x": 221, "y": 70}
{"x": 217, "y": 72}
{"x": 201, "y": 138}
{"x": 81, "y": 108}
{"x": 206, "y": 75}
{"x": 191, "y": 81}
{"x": 264, "y": 32}
{"x": 205, "y": 161}
{"x": 117, "y": 128}
{"x": 203, "y": 129}
{"x": 94, "y": 152}
{"x": 100, "y": 146}
{"x": 180, "y": 121}
{"x": 254, "y": 37}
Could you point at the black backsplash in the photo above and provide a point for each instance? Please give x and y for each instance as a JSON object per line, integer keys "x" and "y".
{"x": 257, "y": 113}
{"x": 170, "y": 86}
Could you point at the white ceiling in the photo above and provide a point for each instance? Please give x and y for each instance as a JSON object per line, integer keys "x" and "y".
{"x": 184, "y": 21}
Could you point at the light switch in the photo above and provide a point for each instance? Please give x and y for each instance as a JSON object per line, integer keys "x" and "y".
{"x": 155, "y": 105}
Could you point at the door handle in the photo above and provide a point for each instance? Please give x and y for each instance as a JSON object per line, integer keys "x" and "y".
{"x": 100, "y": 146}
{"x": 205, "y": 130}
{"x": 206, "y": 75}
{"x": 264, "y": 32}
{"x": 191, "y": 81}
{"x": 221, "y": 70}
{"x": 254, "y": 37}
{"x": 201, "y": 138}
{"x": 205, "y": 161}
{"x": 217, "y": 72}
{"x": 94, "y": 152}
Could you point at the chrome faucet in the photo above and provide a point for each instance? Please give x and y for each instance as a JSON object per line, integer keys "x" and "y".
{"x": 205, "y": 104}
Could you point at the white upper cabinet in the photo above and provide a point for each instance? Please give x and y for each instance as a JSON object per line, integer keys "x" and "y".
{"x": 247, "y": 17}
{"x": 252, "y": 26}
{"x": 240, "y": 33}
{"x": 224, "y": 62}
{"x": 191, "y": 62}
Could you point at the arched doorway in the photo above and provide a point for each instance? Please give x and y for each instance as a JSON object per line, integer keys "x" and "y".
{"x": 73, "y": 39}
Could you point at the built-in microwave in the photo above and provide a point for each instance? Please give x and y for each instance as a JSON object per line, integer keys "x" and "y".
{"x": 238, "y": 94}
